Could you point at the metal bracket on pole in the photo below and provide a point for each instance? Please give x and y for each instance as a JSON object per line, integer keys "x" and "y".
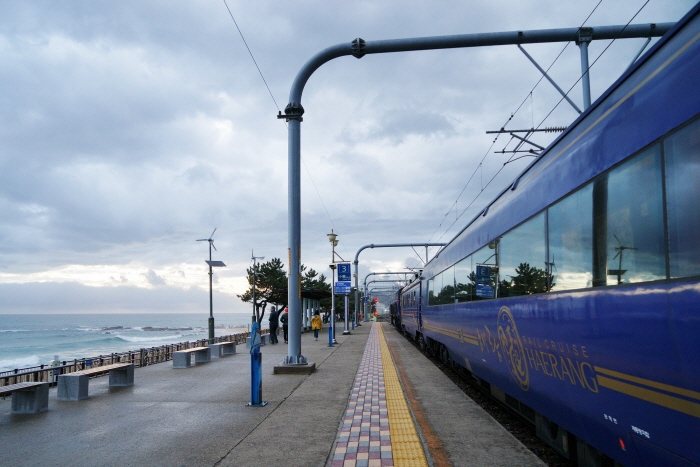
{"x": 544, "y": 73}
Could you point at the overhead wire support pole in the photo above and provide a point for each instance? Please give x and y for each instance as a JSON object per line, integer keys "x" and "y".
{"x": 585, "y": 36}
{"x": 544, "y": 73}
{"x": 386, "y": 245}
{"x": 359, "y": 48}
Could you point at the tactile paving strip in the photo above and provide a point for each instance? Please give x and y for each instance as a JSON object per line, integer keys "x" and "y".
{"x": 377, "y": 430}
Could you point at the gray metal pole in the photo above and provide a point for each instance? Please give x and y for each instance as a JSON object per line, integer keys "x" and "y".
{"x": 294, "y": 356}
{"x": 211, "y": 301}
{"x": 346, "y": 303}
{"x": 359, "y": 48}
{"x": 585, "y": 36}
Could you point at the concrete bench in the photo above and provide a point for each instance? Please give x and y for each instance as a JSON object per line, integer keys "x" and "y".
{"x": 27, "y": 397}
{"x": 221, "y": 349}
{"x": 264, "y": 340}
{"x": 183, "y": 358}
{"x": 74, "y": 386}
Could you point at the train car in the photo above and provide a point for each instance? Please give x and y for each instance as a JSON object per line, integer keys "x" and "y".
{"x": 574, "y": 295}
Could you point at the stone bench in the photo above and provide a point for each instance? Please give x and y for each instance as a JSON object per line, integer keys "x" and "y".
{"x": 183, "y": 358}
{"x": 27, "y": 397}
{"x": 264, "y": 340}
{"x": 221, "y": 349}
{"x": 74, "y": 386}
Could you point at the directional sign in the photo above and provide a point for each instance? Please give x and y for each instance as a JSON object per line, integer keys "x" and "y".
{"x": 344, "y": 274}
{"x": 343, "y": 287}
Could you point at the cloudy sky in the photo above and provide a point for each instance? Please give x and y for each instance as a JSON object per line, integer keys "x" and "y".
{"x": 130, "y": 129}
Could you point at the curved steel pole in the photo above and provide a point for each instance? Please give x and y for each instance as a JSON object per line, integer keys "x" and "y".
{"x": 386, "y": 245}
{"x": 358, "y": 48}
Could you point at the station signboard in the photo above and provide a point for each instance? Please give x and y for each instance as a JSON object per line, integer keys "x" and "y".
{"x": 344, "y": 274}
{"x": 343, "y": 287}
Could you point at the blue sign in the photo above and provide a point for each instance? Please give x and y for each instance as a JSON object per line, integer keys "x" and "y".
{"x": 344, "y": 274}
{"x": 484, "y": 291}
{"x": 343, "y": 287}
{"x": 483, "y": 275}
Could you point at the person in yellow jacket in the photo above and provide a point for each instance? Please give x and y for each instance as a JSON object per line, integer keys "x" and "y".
{"x": 316, "y": 323}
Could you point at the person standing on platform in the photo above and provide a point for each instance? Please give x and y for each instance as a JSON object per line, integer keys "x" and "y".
{"x": 284, "y": 319}
{"x": 316, "y": 323}
{"x": 274, "y": 320}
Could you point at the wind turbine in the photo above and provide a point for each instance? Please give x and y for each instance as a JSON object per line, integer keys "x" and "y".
{"x": 619, "y": 271}
{"x": 212, "y": 264}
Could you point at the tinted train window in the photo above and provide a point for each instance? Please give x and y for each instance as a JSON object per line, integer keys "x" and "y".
{"x": 432, "y": 299}
{"x": 628, "y": 222}
{"x": 447, "y": 293}
{"x": 682, "y": 152}
{"x": 464, "y": 280}
{"x": 484, "y": 287}
{"x": 570, "y": 224}
{"x": 521, "y": 258}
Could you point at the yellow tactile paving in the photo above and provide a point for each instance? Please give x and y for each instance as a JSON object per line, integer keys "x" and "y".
{"x": 405, "y": 443}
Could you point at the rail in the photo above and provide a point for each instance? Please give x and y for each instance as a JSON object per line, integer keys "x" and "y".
{"x": 140, "y": 358}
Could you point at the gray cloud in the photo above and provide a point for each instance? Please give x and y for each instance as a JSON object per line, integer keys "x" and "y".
{"x": 129, "y": 129}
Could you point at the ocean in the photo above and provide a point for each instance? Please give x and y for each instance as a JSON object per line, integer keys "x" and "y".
{"x": 35, "y": 339}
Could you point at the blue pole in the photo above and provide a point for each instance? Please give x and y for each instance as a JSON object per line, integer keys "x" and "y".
{"x": 255, "y": 368}
{"x": 330, "y": 336}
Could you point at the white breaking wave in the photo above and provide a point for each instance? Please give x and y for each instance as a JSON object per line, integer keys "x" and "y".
{"x": 20, "y": 362}
{"x": 147, "y": 339}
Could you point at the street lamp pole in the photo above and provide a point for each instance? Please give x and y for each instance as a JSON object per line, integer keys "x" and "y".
{"x": 333, "y": 238}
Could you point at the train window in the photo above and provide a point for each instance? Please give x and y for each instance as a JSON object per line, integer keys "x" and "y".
{"x": 682, "y": 151}
{"x": 447, "y": 293}
{"x": 521, "y": 258}
{"x": 628, "y": 239}
{"x": 484, "y": 286}
{"x": 432, "y": 299}
{"x": 464, "y": 280}
{"x": 570, "y": 224}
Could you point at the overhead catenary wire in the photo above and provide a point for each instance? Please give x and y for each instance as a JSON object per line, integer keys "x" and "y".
{"x": 480, "y": 165}
{"x": 308, "y": 172}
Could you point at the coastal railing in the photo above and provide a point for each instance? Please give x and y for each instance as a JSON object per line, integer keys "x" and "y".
{"x": 140, "y": 358}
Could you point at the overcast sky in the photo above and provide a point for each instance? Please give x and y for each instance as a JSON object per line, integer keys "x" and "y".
{"x": 130, "y": 129}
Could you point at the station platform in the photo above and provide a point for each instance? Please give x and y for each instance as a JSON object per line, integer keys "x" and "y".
{"x": 374, "y": 400}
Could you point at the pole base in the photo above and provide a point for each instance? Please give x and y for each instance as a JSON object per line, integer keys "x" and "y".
{"x": 262, "y": 404}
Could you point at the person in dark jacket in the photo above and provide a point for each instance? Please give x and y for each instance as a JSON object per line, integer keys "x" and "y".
{"x": 284, "y": 319}
{"x": 274, "y": 320}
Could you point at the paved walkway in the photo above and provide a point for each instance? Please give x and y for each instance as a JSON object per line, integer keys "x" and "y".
{"x": 377, "y": 429}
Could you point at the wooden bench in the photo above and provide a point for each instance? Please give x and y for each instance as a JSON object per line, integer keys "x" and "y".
{"x": 27, "y": 397}
{"x": 221, "y": 349}
{"x": 182, "y": 358}
{"x": 74, "y": 386}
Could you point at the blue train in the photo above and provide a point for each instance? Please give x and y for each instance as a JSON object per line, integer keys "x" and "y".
{"x": 574, "y": 295}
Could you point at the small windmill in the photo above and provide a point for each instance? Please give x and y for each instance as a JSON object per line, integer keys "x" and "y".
{"x": 212, "y": 264}
{"x": 620, "y": 250}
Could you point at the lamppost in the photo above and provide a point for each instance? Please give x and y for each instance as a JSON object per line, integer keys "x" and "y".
{"x": 212, "y": 264}
{"x": 332, "y": 237}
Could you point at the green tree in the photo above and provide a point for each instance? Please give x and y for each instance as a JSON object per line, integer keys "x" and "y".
{"x": 528, "y": 280}
{"x": 271, "y": 283}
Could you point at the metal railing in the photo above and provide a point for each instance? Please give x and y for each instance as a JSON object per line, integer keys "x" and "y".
{"x": 140, "y": 358}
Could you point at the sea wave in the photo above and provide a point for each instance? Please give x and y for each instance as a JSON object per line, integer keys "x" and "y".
{"x": 15, "y": 330}
{"x": 147, "y": 339}
{"x": 20, "y": 362}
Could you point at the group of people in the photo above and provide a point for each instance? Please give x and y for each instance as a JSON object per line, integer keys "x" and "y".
{"x": 276, "y": 318}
